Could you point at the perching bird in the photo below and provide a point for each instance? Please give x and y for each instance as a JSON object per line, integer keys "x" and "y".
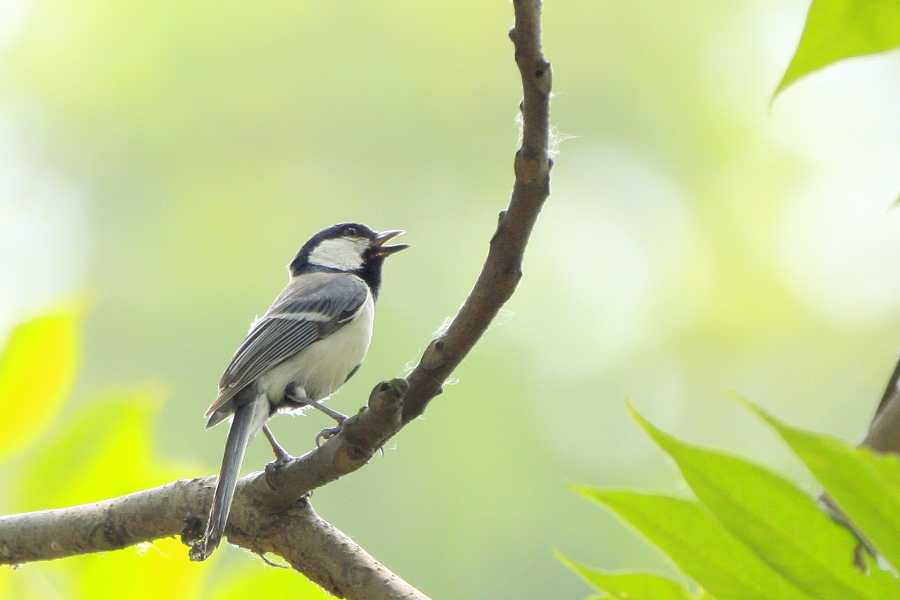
{"x": 311, "y": 340}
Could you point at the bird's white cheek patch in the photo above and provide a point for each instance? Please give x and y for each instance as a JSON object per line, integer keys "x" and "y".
{"x": 342, "y": 253}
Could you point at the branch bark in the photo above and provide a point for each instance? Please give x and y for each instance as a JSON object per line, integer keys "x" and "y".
{"x": 502, "y": 269}
{"x": 270, "y": 511}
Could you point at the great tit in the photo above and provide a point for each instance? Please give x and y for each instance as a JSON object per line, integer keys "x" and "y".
{"x": 311, "y": 340}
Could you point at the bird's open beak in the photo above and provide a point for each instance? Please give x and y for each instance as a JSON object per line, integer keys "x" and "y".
{"x": 386, "y": 236}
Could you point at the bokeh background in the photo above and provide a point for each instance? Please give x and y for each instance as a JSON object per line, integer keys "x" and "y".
{"x": 161, "y": 161}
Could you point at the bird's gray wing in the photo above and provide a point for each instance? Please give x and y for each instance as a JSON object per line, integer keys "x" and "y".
{"x": 309, "y": 309}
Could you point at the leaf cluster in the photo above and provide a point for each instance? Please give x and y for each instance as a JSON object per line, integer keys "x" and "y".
{"x": 753, "y": 534}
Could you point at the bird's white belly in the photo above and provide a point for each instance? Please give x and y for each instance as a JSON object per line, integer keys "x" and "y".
{"x": 323, "y": 367}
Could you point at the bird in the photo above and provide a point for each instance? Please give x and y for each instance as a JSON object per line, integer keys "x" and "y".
{"x": 307, "y": 345}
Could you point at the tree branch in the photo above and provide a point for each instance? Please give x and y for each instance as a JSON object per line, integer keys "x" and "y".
{"x": 502, "y": 269}
{"x": 270, "y": 512}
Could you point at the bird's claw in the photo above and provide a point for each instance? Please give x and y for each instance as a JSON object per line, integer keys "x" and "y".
{"x": 328, "y": 433}
{"x": 199, "y": 552}
{"x": 282, "y": 459}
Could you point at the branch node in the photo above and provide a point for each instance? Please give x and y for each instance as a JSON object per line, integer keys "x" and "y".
{"x": 192, "y": 531}
{"x": 529, "y": 165}
{"x": 387, "y": 394}
{"x": 544, "y": 77}
{"x": 271, "y": 470}
{"x": 433, "y": 355}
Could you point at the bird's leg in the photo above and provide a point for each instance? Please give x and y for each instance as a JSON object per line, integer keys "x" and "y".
{"x": 340, "y": 418}
{"x": 281, "y": 455}
{"x": 327, "y": 433}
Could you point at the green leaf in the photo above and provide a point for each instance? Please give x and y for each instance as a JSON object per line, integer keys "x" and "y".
{"x": 37, "y": 371}
{"x": 698, "y": 544}
{"x": 633, "y": 586}
{"x": 839, "y": 29}
{"x": 105, "y": 452}
{"x": 866, "y": 486}
{"x": 781, "y": 524}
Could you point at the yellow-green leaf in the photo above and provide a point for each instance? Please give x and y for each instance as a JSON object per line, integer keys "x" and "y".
{"x": 781, "y": 524}
{"x": 698, "y": 544}
{"x": 865, "y": 485}
{"x": 37, "y": 370}
{"x": 839, "y": 29}
{"x": 633, "y": 586}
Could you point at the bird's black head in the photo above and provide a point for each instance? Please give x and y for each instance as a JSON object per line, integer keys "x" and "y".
{"x": 349, "y": 248}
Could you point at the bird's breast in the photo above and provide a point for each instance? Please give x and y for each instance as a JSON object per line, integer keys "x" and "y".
{"x": 323, "y": 367}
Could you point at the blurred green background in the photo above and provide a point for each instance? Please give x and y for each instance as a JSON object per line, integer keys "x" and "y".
{"x": 164, "y": 160}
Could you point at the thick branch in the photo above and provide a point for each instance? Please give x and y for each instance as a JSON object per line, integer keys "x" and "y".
{"x": 325, "y": 555}
{"x": 305, "y": 541}
{"x": 173, "y": 509}
{"x": 263, "y": 518}
{"x": 270, "y": 513}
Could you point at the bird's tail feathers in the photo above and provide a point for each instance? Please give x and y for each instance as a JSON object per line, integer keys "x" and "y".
{"x": 248, "y": 420}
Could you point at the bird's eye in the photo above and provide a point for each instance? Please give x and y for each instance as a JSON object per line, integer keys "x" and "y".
{"x": 352, "y": 231}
